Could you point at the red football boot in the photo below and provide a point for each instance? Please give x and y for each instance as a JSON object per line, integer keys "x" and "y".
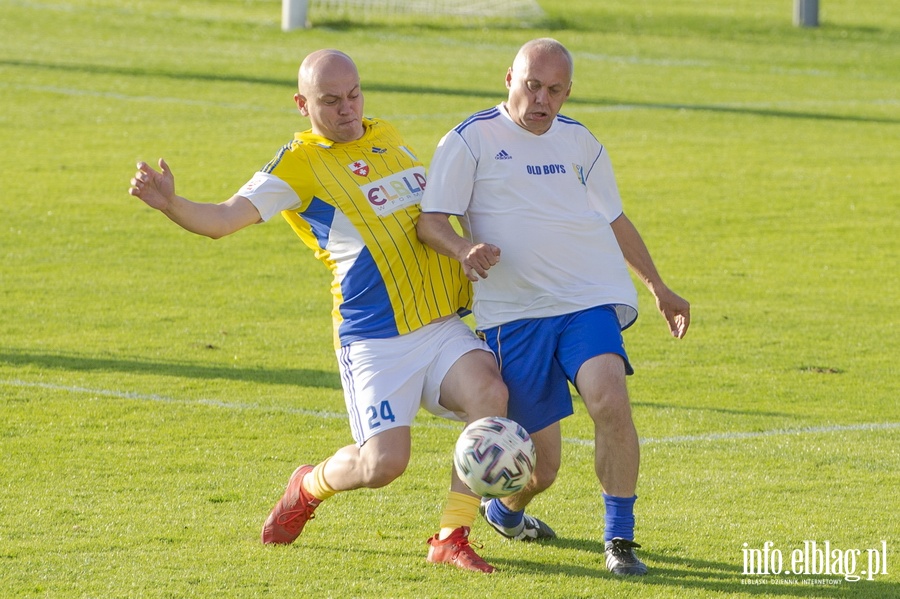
{"x": 456, "y": 550}
{"x": 291, "y": 513}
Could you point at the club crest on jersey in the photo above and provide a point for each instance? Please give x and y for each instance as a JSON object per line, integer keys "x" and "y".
{"x": 579, "y": 171}
{"x": 359, "y": 168}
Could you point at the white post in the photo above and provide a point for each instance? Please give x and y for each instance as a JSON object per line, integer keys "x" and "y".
{"x": 293, "y": 14}
{"x": 806, "y": 13}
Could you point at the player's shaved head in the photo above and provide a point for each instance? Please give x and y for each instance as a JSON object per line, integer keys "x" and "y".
{"x": 544, "y": 47}
{"x": 539, "y": 82}
{"x": 330, "y": 95}
{"x": 323, "y": 64}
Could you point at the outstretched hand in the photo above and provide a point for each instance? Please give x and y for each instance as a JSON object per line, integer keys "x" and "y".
{"x": 154, "y": 188}
{"x": 676, "y": 310}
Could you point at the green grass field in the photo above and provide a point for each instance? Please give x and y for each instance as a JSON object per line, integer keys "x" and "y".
{"x": 157, "y": 389}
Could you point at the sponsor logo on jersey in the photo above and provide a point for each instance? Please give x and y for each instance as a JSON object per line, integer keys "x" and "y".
{"x": 396, "y": 191}
{"x": 359, "y": 168}
{"x": 376, "y": 150}
{"x": 502, "y": 155}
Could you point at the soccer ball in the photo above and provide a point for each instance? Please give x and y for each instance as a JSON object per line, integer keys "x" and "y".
{"x": 494, "y": 456}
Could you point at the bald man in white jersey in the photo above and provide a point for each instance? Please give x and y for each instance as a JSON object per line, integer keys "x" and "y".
{"x": 547, "y": 243}
{"x": 350, "y": 188}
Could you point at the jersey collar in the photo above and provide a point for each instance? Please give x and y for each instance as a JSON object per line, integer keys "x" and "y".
{"x": 308, "y": 137}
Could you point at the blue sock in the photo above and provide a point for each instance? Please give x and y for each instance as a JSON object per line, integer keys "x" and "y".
{"x": 502, "y": 515}
{"x": 619, "y": 517}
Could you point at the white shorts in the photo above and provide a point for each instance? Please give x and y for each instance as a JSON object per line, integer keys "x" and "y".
{"x": 386, "y": 380}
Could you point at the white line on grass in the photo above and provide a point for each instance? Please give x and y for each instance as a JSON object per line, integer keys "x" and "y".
{"x": 162, "y": 398}
{"x": 806, "y": 430}
{"x": 75, "y": 92}
{"x": 91, "y": 93}
{"x": 836, "y": 428}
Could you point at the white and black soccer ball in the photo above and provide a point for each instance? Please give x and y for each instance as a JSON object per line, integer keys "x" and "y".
{"x": 494, "y": 456}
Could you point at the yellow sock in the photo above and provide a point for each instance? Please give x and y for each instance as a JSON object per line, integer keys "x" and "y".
{"x": 460, "y": 510}
{"x": 315, "y": 484}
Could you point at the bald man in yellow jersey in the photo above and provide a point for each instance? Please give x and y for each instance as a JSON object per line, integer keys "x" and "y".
{"x": 350, "y": 188}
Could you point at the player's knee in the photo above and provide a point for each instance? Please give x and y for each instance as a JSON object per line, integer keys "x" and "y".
{"x": 487, "y": 396}
{"x": 543, "y": 477}
{"x": 495, "y": 396}
{"x": 609, "y": 407}
{"x": 385, "y": 469}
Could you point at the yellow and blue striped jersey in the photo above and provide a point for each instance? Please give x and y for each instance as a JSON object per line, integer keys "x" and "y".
{"x": 356, "y": 205}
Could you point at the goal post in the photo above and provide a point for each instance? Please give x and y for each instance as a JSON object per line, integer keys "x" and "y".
{"x": 806, "y": 13}
{"x": 296, "y": 14}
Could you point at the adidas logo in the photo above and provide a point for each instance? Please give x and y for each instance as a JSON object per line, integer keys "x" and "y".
{"x": 502, "y": 155}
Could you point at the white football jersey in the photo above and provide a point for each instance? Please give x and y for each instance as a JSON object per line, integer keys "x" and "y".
{"x": 547, "y": 202}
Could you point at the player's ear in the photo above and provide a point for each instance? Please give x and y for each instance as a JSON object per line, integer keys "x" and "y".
{"x": 300, "y": 101}
{"x": 508, "y": 77}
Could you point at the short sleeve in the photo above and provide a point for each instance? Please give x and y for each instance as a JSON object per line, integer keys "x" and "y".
{"x": 451, "y": 177}
{"x": 269, "y": 194}
{"x": 602, "y": 191}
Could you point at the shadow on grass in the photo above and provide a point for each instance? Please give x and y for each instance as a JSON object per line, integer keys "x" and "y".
{"x": 684, "y": 574}
{"x": 492, "y": 96}
{"x": 675, "y": 576}
{"x": 285, "y": 376}
{"x": 599, "y": 18}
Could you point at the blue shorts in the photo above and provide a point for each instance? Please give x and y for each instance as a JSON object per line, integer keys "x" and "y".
{"x": 539, "y": 356}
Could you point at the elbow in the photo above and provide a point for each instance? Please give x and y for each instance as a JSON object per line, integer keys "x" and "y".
{"x": 432, "y": 227}
{"x": 215, "y": 233}
{"x": 423, "y": 230}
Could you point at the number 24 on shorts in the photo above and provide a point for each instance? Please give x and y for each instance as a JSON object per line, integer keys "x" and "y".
{"x": 380, "y": 413}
